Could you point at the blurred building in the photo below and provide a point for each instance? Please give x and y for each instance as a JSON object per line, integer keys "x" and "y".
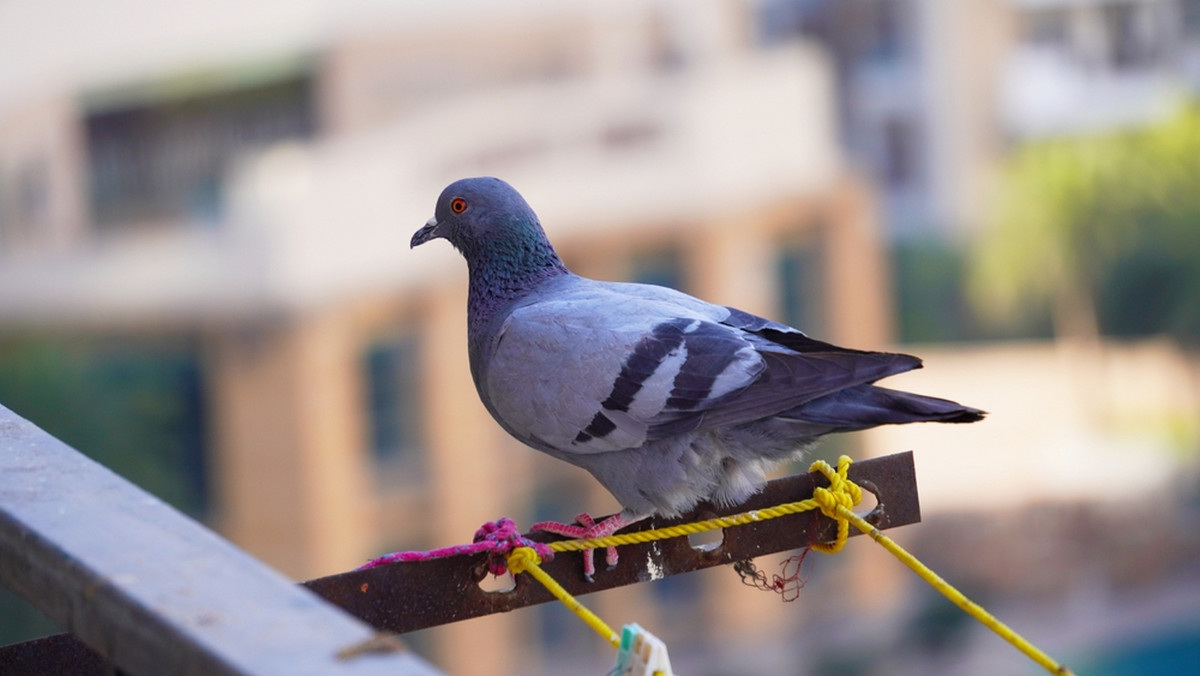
{"x": 934, "y": 93}
{"x": 238, "y": 182}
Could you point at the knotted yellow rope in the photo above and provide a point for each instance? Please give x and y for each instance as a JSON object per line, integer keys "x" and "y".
{"x": 837, "y": 502}
{"x": 841, "y": 492}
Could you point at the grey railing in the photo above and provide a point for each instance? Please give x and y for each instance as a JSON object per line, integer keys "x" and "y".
{"x": 149, "y": 590}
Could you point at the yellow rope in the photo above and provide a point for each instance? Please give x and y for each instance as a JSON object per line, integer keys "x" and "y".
{"x": 949, "y": 591}
{"x": 840, "y": 491}
{"x": 837, "y": 502}
{"x": 525, "y": 560}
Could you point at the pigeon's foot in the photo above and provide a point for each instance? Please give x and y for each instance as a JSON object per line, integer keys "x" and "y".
{"x": 586, "y": 528}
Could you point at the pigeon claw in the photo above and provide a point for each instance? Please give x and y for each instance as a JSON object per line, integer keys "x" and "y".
{"x": 586, "y": 528}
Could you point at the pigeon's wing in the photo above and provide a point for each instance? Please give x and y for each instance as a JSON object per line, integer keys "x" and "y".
{"x": 798, "y": 370}
{"x": 592, "y": 370}
{"x": 597, "y": 367}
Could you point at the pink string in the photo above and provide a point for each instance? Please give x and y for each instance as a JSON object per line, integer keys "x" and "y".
{"x": 496, "y": 538}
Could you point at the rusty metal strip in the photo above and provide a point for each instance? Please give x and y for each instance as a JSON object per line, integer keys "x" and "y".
{"x": 403, "y": 597}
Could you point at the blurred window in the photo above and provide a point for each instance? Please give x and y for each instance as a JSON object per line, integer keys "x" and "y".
{"x": 33, "y": 193}
{"x": 24, "y": 203}
{"x": 899, "y": 152}
{"x": 395, "y": 416}
{"x": 1191, "y": 17}
{"x": 666, "y": 53}
{"x": 1131, "y": 35}
{"x": 1047, "y": 29}
{"x": 801, "y": 278}
{"x": 783, "y": 20}
{"x": 886, "y": 23}
{"x": 167, "y": 160}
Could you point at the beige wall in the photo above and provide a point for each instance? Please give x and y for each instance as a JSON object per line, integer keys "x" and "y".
{"x": 287, "y": 414}
{"x": 965, "y": 45}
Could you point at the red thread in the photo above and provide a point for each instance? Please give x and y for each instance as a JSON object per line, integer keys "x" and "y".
{"x": 787, "y": 585}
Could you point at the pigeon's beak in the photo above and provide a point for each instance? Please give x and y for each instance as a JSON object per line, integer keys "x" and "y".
{"x": 427, "y": 232}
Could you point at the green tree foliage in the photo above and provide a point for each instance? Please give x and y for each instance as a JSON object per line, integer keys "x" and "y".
{"x": 929, "y": 283}
{"x": 1103, "y": 231}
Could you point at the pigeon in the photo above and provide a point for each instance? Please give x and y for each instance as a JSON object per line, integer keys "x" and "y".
{"x": 665, "y": 399}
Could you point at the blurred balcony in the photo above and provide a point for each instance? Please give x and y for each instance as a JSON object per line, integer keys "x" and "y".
{"x": 1045, "y": 93}
{"x": 306, "y": 221}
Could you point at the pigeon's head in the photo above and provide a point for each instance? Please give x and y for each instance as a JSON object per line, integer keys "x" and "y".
{"x": 478, "y": 214}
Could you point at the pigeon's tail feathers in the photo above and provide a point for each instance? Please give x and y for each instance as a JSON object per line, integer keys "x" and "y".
{"x": 865, "y": 406}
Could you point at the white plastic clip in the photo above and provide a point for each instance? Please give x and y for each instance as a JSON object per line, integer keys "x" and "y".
{"x": 641, "y": 654}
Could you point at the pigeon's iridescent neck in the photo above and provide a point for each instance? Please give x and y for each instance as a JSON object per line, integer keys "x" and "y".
{"x": 505, "y": 271}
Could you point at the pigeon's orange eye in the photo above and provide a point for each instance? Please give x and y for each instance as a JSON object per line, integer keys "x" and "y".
{"x": 458, "y": 205}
